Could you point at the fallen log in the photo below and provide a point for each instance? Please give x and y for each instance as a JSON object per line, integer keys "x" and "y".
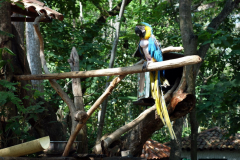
{"x": 164, "y": 65}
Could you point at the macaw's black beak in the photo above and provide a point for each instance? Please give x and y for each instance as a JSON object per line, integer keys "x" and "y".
{"x": 140, "y": 31}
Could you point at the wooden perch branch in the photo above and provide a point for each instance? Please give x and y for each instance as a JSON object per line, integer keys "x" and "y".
{"x": 90, "y": 112}
{"x": 164, "y": 65}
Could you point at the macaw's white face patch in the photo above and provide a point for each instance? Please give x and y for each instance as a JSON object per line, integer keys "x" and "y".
{"x": 144, "y": 43}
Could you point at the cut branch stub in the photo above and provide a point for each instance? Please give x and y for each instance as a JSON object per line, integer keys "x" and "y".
{"x": 80, "y": 116}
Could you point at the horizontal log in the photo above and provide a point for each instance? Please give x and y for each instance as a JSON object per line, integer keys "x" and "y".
{"x": 164, "y": 65}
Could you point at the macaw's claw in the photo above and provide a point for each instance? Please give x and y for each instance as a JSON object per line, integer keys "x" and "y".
{"x": 144, "y": 65}
{"x": 164, "y": 82}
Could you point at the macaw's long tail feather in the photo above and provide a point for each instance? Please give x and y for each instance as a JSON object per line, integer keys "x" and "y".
{"x": 160, "y": 102}
{"x": 166, "y": 117}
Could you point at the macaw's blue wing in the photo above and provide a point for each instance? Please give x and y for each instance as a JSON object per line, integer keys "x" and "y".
{"x": 154, "y": 49}
{"x": 156, "y": 53}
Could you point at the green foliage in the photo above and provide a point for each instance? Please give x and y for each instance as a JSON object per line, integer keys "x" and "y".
{"x": 4, "y": 62}
{"x": 18, "y": 124}
{"x": 218, "y": 82}
{"x": 6, "y": 34}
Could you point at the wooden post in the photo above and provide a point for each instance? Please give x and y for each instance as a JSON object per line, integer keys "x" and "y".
{"x": 78, "y": 101}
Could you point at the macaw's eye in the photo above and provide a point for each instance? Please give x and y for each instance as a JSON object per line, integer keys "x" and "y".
{"x": 140, "y": 31}
{"x": 137, "y": 30}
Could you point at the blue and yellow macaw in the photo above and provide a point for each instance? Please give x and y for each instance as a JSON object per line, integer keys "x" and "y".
{"x": 149, "y": 49}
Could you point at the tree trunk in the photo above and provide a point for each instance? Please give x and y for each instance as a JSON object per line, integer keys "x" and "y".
{"x": 33, "y": 55}
{"x": 190, "y": 47}
{"x": 176, "y": 145}
{"x": 8, "y": 110}
{"x": 194, "y": 134}
{"x": 81, "y": 12}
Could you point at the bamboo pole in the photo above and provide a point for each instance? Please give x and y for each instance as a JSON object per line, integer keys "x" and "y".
{"x": 164, "y": 65}
{"x": 26, "y": 148}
